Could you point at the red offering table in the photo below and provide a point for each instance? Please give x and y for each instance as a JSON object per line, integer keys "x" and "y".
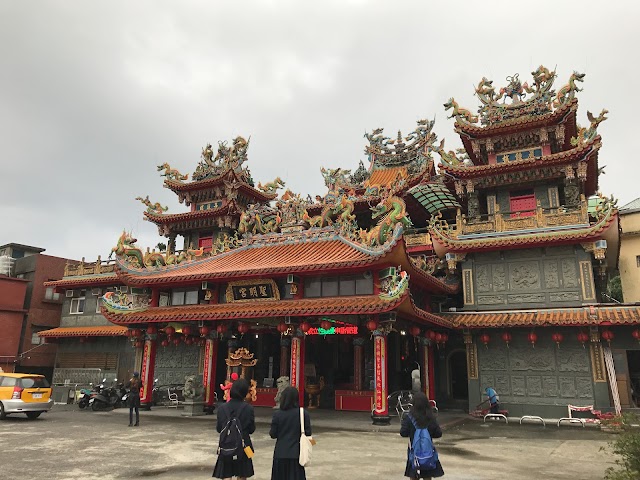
{"x": 354, "y": 400}
{"x": 265, "y": 396}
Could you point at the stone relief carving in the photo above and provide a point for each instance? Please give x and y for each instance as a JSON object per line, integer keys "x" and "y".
{"x": 551, "y": 279}
{"x": 526, "y": 298}
{"x": 533, "y": 359}
{"x": 524, "y": 276}
{"x": 534, "y": 386}
{"x": 483, "y": 281}
{"x": 502, "y": 385}
{"x": 517, "y": 386}
{"x": 584, "y": 386}
{"x": 564, "y": 297}
{"x": 492, "y": 360}
{"x": 490, "y": 300}
{"x": 549, "y": 386}
{"x": 487, "y": 381}
{"x": 499, "y": 278}
{"x": 573, "y": 360}
{"x": 569, "y": 273}
{"x": 567, "y": 387}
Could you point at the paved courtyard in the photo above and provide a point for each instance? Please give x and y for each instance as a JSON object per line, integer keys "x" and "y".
{"x": 72, "y": 444}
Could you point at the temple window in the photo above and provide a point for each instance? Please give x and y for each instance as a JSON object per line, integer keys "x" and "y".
{"x": 638, "y": 261}
{"x": 184, "y": 297}
{"x": 77, "y": 305}
{"x": 338, "y": 286}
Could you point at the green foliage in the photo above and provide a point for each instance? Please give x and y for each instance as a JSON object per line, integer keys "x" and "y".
{"x": 627, "y": 447}
{"x": 614, "y": 289}
{"x": 161, "y": 247}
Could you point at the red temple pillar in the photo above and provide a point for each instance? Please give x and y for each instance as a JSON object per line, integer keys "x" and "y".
{"x": 285, "y": 348}
{"x": 297, "y": 364}
{"x": 425, "y": 366}
{"x": 358, "y": 360}
{"x": 209, "y": 372}
{"x": 380, "y": 413}
{"x": 147, "y": 370}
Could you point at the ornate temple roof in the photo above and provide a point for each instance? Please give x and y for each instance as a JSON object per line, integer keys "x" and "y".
{"x": 585, "y": 316}
{"x": 101, "y": 331}
{"x": 86, "y": 281}
{"x": 315, "y": 250}
{"x": 434, "y": 197}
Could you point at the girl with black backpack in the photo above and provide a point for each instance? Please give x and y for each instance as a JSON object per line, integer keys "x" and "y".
{"x": 420, "y": 417}
{"x": 237, "y": 420}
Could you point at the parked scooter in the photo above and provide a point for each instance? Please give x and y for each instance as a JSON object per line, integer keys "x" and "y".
{"x": 85, "y": 396}
{"x": 108, "y": 397}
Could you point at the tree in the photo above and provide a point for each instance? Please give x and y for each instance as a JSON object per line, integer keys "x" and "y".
{"x": 161, "y": 246}
{"x": 627, "y": 446}
{"x": 614, "y": 289}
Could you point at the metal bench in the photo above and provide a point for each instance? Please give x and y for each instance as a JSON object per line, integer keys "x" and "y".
{"x": 533, "y": 417}
{"x": 496, "y": 416}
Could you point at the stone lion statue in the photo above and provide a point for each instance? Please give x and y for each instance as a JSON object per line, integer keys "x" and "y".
{"x": 193, "y": 389}
{"x": 281, "y": 383}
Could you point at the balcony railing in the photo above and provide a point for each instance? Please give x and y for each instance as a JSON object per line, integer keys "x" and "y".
{"x": 521, "y": 220}
{"x": 72, "y": 269}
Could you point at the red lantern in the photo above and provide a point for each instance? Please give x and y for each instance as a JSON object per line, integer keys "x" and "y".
{"x": 445, "y": 338}
{"x": 415, "y": 331}
{"x": 136, "y": 333}
{"x": 485, "y": 338}
{"x": 325, "y": 324}
{"x": 243, "y": 328}
{"x": 221, "y": 329}
{"x": 187, "y": 330}
{"x": 438, "y": 337}
{"x": 304, "y": 327}
{"x": 558, "y": 338}
{"x": 607, "y": 335}
{"x": 430, "y": 334}
{"x": 506, "y": 337}
{"x": 169, "y": 331}
{"x": 176, "y": 341}
{"x": 164, "y": 343}
{"x": 282, "y": 327}
{"x": 151, "y": 330}
{"x": 583, "y": 338}
{"x": 372, "y": 325}
{"x": 636, "y": 334}
{"x": 533, "y": 338}
{"x": 204, "y": 331}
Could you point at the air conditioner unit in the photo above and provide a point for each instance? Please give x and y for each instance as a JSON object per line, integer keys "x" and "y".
{"x": 111, "y": 289}
{"x": 287, "y": 320}
{"x": 96, "y": 291}
{"x": 291, "y": 278}
{"x": 124, "y": 289}
{"x": 204, "y": 286}
{"x": 69, "y": 293}
{"x": 601, "y": 244}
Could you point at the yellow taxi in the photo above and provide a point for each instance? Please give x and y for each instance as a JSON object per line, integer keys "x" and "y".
{"x": 24, "y": 393}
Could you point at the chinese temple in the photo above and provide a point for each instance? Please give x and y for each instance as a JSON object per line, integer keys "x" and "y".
{"x": 488, "y": 272}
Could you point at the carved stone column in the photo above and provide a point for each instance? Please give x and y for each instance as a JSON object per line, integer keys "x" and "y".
{"x": 285, "y": 348}
{"x": 380, "y": 415}
{"x": 358, "y": 361}
{"x": 209, "y": 371}
{"x": 147, "y": 370}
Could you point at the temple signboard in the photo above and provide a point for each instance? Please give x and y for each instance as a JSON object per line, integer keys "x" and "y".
{"x": 251, "y": 290}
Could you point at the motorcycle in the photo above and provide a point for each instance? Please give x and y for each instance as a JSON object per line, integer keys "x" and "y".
{"x": 107, "y": 397}
{"x": 85, "y": 396}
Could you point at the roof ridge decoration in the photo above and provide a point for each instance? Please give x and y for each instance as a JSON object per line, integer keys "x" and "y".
{"x": 171, "y": 173}
{"x": 586, "y": 135}
{"x": 123, "y": 303}
{"x": 226, "y": 158}
{"x": 395, "y": 285}
{"x": 156, "y": 208}
{"x": 412, "y": 151}
{"x": 543, "y": 99}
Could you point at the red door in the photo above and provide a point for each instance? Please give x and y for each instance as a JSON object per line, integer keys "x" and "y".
{"x": 523, "y": 205}
{"x": 207, "y": 243}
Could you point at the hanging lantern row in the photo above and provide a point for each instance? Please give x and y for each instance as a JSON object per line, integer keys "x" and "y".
{"x": 415, "y": 331}
{"x": 438, "y": 337}
{"x": 582, "y": 338}
{"x": 608, "y": 336}
{"x": 243, "y": 328}
{"x": 506, "y": 337}
{"x": 372, "y": 325}
{"x": 636, "y": 334}
{"x": 557, "y": 337}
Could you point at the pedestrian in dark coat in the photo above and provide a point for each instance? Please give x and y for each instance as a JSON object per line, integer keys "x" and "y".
{"x": 285, "y": 428}
{"x": 242, "y": 467}
{"x": 134, "y": 386}
{"x": 422, "y": 413}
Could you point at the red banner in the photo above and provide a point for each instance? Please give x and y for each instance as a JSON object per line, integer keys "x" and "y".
{"x": 209, "y": 370}
{"x": 380, "y": 366}
{"x": 295, "y": 361}
{"x": 148, "y": 367}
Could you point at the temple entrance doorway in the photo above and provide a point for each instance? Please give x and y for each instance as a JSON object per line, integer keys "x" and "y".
{"x": 458, "y": 381}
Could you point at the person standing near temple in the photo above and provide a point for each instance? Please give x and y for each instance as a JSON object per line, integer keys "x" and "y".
{"x": 134, "y": 386}
{"x": 239, "y": 466}
{"x": 494, "y": 399}
{"x": 286, "y": 428}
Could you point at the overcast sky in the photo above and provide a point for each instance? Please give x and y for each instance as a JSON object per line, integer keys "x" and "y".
{"x": 94, "y": 95}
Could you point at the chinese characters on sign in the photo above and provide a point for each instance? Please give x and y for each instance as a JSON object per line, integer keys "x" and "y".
{"x": 350, "y": 330}
{"x": 248, "y": 290}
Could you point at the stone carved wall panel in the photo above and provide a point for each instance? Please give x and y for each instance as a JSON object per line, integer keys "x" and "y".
{"x": 491, "y": 300}
{"x": 551, "y": 278}
{"x": 527, "y": 298}
{"x": 518, "y": 388}
{"x": 573, "y": 360}
{"x": 483, "y": 278}
{"x": 564, "y": 297}
{"x": 584, "y": 387}
{"x": 173, "y": 363}
{"x": 502, "y": 385}
{"x": 499, "y": 278}
{"x": 569, "y": 273}
{"x": 524, "y": 276}
{"x": 549, "y": 386}
{"x": 567, "y": 387}
{"x": 492, "y": 360}
{"x": 487, "y": 381}
{"x": 534, "y": 386}
{"x": 534, "y": 359}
